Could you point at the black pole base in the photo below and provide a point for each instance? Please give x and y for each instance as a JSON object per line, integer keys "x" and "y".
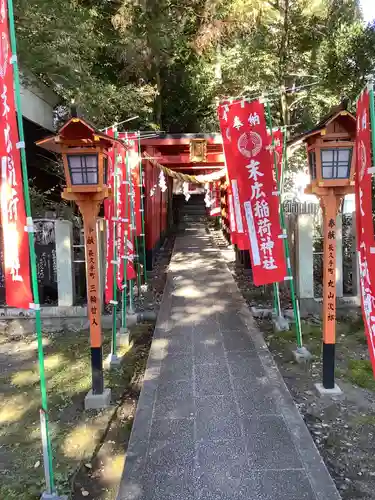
{"x": 247, "y": 261}
{"x": 328, "y": 366}
{"x": 97, "y": 370}
{"x": 242, "y": 257}
{"x": 149, "y": 260}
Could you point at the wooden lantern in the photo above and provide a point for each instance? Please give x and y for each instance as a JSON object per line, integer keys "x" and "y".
{"x": 331, "y": 154}
{"x": 84, "y": 152}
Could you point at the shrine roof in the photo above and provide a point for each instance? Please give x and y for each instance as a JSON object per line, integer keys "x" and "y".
{"x": 335, "y": 112}
{"x": 179, "y": 139}
{"x": 174, "y": 151}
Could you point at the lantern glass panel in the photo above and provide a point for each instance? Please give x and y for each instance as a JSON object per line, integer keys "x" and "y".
{"x": 312, "y": 162}
{"x": 83, "y": 169}
{"x": 336, "y": 163}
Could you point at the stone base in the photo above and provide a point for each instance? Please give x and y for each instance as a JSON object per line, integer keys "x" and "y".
{"x": 336, "y": 391}
{"x": 123, "y": 337}
{"x": 261, "y": 313}
{"x": 52, "y": 496}
{"x": 302, "y": 355}
{"x": 289, "y": 315}
{"x": 131, "y": 319}
{"x": 98, "y": 401}
{"x": 112, "y": 361}
{"x": 280, "y": 324}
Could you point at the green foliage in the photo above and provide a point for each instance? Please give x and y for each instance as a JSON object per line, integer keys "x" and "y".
{"x": 71, "y": 45}
{"x": 169, "y": 60}
{"x": 360, "y": 373}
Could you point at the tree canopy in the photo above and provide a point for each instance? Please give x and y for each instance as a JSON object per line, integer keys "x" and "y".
{"x": 169, "y": 61}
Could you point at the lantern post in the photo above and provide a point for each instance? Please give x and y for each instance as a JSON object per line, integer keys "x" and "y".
{"x": 84, "y": 152}
{"x": 330, "y": 150}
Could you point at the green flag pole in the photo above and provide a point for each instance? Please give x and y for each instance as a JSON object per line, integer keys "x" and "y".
{"x": 283, "y": 227}
{"x": 113, "y": 356}
{"x": 142, "y": 209}
{"x": 44, "y": 420}
{"x": 276, "y": 299}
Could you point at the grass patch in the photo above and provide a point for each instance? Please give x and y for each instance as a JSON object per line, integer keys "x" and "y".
{"x": 74, "y": 432}
{"x": 353, "y": 329}
{"x": 360, "y": 373}
{"x": 363, "y": 420}
{"x": 359, "y": 337}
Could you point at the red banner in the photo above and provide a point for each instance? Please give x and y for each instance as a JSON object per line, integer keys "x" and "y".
{"x": 133, "y": 196}
{"x": 122, "y": 222}
{"x": 215, "y": 207}
{"x": 240, "y": 237}
{"x": 134, "y": 167}
{"x": 247, "y": 148}
{"x": 109, "y": 215}
{"x": 13, "y": 215}
{"x": 231, "y": 217}
{"x": 278, "y": 139}
{"x": 365, "y": 232}
{"x": 128, "y": 214}
{"x": 131, "y": 274}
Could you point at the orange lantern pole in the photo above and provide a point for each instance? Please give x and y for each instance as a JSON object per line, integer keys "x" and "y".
{"x": 89, "y": 209}
{"x": 84, "y": 152}
{"x": 330, "y": 204}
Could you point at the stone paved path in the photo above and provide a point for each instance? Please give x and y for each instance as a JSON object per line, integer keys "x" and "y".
{"x": 215, "y": 420}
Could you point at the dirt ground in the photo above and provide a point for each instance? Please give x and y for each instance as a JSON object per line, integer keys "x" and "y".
{"x": 75, "y": 434}
{"x": 342, "y": 427}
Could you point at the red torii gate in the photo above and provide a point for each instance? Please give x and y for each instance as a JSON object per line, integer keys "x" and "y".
{"x": 194, "y": 154}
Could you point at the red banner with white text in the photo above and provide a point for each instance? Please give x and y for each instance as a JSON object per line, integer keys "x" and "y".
{"x": 132, "y": 195}
{"x": 231, "y": 217}
{"x": 122, "y": 223}
{"x": 215, "y": 195}
{"x": 239, "y": 237}
{"x": 365, "y": 231}
{"x": 109, "y": 216}
{"x": 13, "y": 216}
{"x": 119, "y": 222}
{"x": 131, "y": 140}
{"x": 278, "y": 140}
{"x": 247, "y": 145}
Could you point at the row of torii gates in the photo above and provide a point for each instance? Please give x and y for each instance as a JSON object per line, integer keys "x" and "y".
{"x": 194, "y": 154}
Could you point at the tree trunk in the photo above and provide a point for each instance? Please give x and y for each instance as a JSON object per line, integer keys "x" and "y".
{"x": 283, "y": 64}
{"x": 158, "y": 98}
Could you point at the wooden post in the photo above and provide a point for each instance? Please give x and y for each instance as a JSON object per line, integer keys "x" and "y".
{"x": 330, "y": 204}
{"x": 89, "y": 209}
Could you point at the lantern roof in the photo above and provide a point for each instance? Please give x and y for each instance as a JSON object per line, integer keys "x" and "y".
{"x": 337, "y": 113}
{"x": 79, "y": 131}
